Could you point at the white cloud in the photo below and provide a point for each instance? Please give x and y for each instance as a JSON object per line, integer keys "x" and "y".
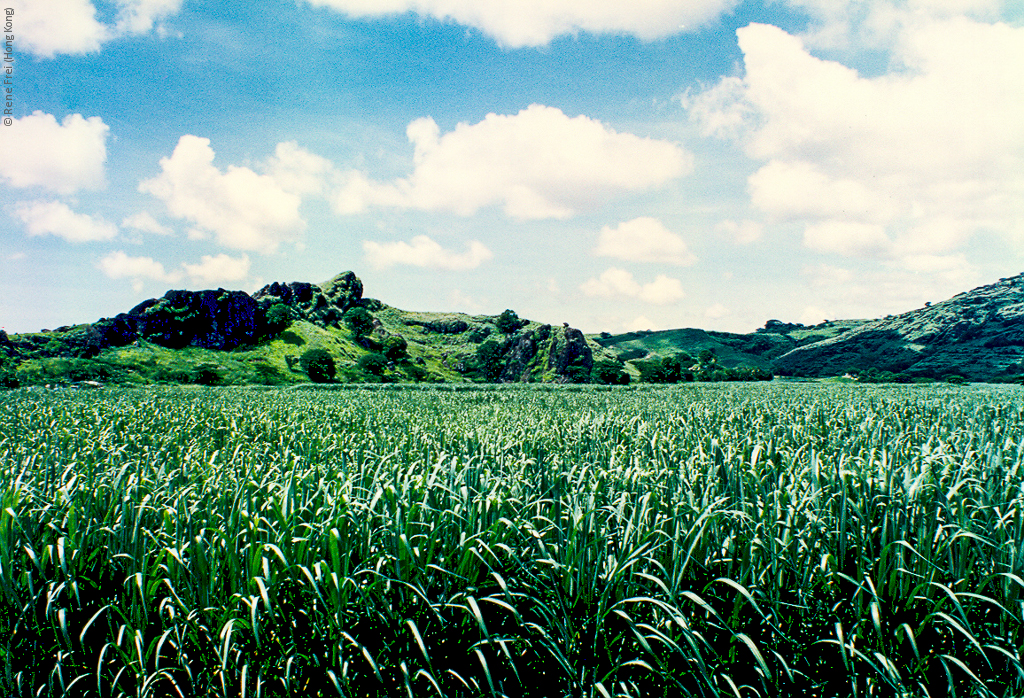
{"x": 848, "y": 239}
{"x": 245, "y": 210}
{"x": 615, "y": 282}
{"x": 424, "y": 252}
{"x": 297, "y": 170}
{"x": 741, "y": 233}
{"x": 639, "y": 324}
{"x": 46, "y": 28}
{"x": 144, "y": 222}
{"x": 221, "y": 268}
{"x": 139, "y": 16}
{"x": 924, "y": 156}
{"x": 535, "y": 23}
{"x": 538, "y": 163}
{"x": 643, "y": 240}
{"x": 64, "y": 157}
{"x": 813, "y": 315}
{"x": 716, "y": 312}
{"x": 118, "y": 265}
{"x": 56, "y": 218}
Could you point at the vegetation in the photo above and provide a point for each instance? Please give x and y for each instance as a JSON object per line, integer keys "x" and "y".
{"x": 318, "y": 365}
{"x": 709, "y": 540}
{"x": 360, "y": 321}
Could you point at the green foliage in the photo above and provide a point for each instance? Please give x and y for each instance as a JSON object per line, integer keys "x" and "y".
{"x": 8, "y": 373}
{"x": 488, "y": 364}
{"x": 479, "y": 334}
{"x": 609, "y": 373}
{"x": 279, "y": 316}
{"x": 707, "y": 356}
{"x": 508, "y": 322}
{"x": 797, "y": 540}
{"x": 373, "y": 364}
{"x": 318, "y": 365}
{"x": 359, "y": 321}
{"x": 395, "y": 347}
{"x": 292, "y": 338}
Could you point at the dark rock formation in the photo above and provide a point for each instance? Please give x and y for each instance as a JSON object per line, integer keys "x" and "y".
{"x": 569, "y": 355}
{"x": 518, "y": 358}
{"x": 978, "y": 334}
{"x": 320, "y": 304}
{"x": 210, "y": 319}
{"x": 441, "y": 325}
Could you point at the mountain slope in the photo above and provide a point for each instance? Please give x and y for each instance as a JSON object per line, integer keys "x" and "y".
{"x": 978, "y": 334}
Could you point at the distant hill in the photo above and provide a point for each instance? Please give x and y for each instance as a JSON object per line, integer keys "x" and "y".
{"x": 220, "y": 336}
{"x": 978, "y": 334}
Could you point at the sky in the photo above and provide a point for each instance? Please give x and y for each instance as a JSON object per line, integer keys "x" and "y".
{"x": 615, "y": 165}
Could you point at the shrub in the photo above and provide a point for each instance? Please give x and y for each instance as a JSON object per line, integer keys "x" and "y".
{"x": 279, "y": 316}
{"x": 508, "y": 322}
{"x": 488, "y": 361}
{"x": 318, "y": 365}
{"x": 373, "y": 364}
{"x": 395, "y": 347}
{"x": 359, "y": 321}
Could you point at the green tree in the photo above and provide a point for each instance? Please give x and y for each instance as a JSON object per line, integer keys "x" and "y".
{"x": 395, "y": 347}
{"x": 707, "y": 356}
{"x": 508, "y": 322}
{"x": 488, "y": 361}
{"x": 609, "y": 373}
{"x": 373, "y": 364}
{"x": 359, "y": 321}
{"x": 318, "y": 365}
{"x": 279, "y": 316}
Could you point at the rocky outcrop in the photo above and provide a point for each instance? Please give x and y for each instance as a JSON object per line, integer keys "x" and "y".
{"x": 518, "y": 359}
{"x": 978, "y": 334}
{"x": 569, "y": 356}
{"x": 209, "y": 319}
{"x": 440, "y": 325}
{"x": 323, "y": 304}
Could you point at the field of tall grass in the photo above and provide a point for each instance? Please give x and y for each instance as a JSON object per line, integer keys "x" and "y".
{"x": 706, "y": 540}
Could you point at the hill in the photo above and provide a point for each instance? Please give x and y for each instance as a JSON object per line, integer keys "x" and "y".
{"x": 978, "y": 334}
{"x": 231, "y": 337}
{"x": 219, "y": 336}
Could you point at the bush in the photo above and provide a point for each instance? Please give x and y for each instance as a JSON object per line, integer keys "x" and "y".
{"x": 488, "y": 361}
{"x": 508, "y": 322}
{"x": 279, "y": 316}
{"x": 318, "y": 365}
{"x": 395, "y": 347}
{"x": 359, "y": 321}
{"x": 609, "y": 373}
{"x": 373, "y": 364}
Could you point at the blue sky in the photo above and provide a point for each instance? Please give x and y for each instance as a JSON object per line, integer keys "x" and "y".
{"x": 617, "y": 166}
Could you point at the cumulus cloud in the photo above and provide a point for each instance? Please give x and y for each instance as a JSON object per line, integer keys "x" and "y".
{"x": 615, "y": 282}
{"x": 222, "y": 268}
{"x": 297, "y": 170}
{"x": 643, "y": 240}
{"x": 243, "y": 209}
{"x": 424, "y": 252}
{"x": 639, "y": 324}
{"x": 537, "y": 164}
{"x": 118, "y": 265}
{"x": 914, "y": 161}
{"x": 47, "y": 28}
{"x": 144, "y": 222}
{"x": 742, "y": 232}
{"x": 716, "y": 312}
{"x": 56, "y": 218}
{"x": 62, "y": 157}
{"x": 530, "y": 23}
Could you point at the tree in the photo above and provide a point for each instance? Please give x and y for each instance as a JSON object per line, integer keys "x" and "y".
{"x": 359, "y": 321}
{"x": 508, "y": 322}
{"x": 707, "y": 356}
{"x": 609, "y": 373}
{"x": 279, "y": 316}
{"x": 488, "y": 360}
{"x": 374, "y": 364}
{"x": 318, "y": 365}
{"x": 395, "y": 347}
